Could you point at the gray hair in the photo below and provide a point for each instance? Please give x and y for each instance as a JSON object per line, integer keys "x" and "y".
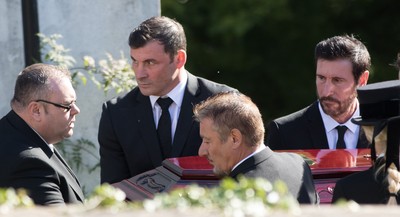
{"x": 233, "y": 110}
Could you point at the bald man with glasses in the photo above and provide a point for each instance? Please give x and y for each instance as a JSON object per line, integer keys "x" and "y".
{"x": 43, "y": 113}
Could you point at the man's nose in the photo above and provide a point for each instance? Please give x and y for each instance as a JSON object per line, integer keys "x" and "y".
{"x": 202, "y": 150}
{"x": 328, "y": 89}
{"x": 75, "y": 109}
{"x": 139, "y": 71}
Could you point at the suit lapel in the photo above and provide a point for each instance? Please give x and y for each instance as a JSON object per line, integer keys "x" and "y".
{"x": 316, "y": 127}
{"x": 63, "y": 167}
{"x": 147, "y": 129}
{"x": 185, "y": 120}
{"x": 362, "y": 140}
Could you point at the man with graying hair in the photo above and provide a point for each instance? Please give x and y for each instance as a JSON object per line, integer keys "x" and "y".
{"x": 43, "y": 114}
{"x": 233, "y": 134}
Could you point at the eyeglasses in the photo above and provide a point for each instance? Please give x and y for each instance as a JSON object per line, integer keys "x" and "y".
{"x": 66, "y": 107}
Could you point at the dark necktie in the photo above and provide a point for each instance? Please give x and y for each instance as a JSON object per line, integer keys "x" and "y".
{"x": 340, "y": 142}
{"x": 164, "y": 127}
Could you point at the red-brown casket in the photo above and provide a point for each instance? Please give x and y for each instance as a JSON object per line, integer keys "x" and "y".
{"x": 327, "y": 167}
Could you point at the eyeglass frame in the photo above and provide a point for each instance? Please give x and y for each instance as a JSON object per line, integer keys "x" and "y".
{"x": 66, "y": 107}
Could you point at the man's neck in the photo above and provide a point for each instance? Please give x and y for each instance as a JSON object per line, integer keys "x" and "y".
{"x": 343, "y": 118}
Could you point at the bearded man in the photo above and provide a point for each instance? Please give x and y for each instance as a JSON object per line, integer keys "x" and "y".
{"x": 342, "y": 65}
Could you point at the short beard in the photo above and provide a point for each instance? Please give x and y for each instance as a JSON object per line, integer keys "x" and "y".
{"x": 219, "y": 173}
{"x": 343, "y": 106}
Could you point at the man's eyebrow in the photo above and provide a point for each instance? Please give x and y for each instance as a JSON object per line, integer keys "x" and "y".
{"x": 69, "y": 101}
{"x": 146, "y": 60}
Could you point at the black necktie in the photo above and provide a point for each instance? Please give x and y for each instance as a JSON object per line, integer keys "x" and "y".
{"x": 340, "y": 142}
{"x": 164, "y": 127}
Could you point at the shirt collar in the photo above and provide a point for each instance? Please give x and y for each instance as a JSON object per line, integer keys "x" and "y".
{"x": 260, "y": 148}
{"x": 175, "y": 94}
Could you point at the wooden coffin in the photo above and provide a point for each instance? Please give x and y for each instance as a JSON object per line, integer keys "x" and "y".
{"x": 327, "y": 167}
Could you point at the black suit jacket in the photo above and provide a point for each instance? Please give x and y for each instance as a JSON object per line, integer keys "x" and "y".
{"x": 288, "y": 167}
{"x": 128, "y": 137}
{"x": 363, "y": 188}
{"x": 303, "y": 129}
{"x": 29, "y": 163}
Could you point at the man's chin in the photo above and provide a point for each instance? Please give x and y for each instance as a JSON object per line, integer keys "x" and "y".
{"x": 330, "y": 109}
{"x": 146, "y": 90}
{"x": 219, "y": 173}
{"x": 68, "y": 134}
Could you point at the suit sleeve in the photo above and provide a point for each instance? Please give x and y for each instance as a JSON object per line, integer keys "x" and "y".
{"x": 273, "y": 138}
{"x": 113, "y": 164}
{"x": 338, "y": 192}
{"x": 39, "y": 179}
{"x": 308, "y": 193}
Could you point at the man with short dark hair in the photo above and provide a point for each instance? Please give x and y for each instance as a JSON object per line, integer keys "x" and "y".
{"x": 153, "y": 121}
{"x": 43, "y": 114}
{"x": 342, "y": 65}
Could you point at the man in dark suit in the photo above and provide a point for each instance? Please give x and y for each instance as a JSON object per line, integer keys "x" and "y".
{"x": 43, "y": 113}
{"x": 342, "y": 65}
{"x": 130, "y": 132}
{"x": 233, "y": 133}
{"x": 380, "y": 119}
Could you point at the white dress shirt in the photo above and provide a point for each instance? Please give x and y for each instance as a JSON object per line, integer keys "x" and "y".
{"x": 351, "y": 135}
{"x": 176, "y": 95}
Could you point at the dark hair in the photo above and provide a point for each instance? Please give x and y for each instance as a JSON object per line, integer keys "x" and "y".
{"x": 165, "y": 30}
{"x": 345, "y": 47}
{"x": 34, "y": 82}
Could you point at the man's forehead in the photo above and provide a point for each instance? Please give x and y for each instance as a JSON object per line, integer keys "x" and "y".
{"x": 143, "y": 54}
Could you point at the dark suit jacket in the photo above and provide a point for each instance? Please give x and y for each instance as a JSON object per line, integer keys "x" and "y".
{"x": 303, "y": 129}
{"x": 29, "y": 163}
{"x": 363, "y": 188}
{"x": 288, "y": 167}
{"x": 128, "y": 137}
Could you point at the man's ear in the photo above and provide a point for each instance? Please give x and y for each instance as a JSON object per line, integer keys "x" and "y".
{"x": 236, "y": 138}
{"x": 35, "y": 111}
{"x": 363, "y": 80}
{"x": 180, "y": 58}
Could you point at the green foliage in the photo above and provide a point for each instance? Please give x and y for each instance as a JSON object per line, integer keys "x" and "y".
{"x": 115, "y": 74}
{"x": 54, "y": 52}
{"x": 106, "y": 196}
{"x": 245, "y": 197}
{"x": 57, "y": 54}
{"x": 10, "y": 199}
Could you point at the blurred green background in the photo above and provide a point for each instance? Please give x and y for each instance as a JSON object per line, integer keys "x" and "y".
{"x": 265, "y": 48}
